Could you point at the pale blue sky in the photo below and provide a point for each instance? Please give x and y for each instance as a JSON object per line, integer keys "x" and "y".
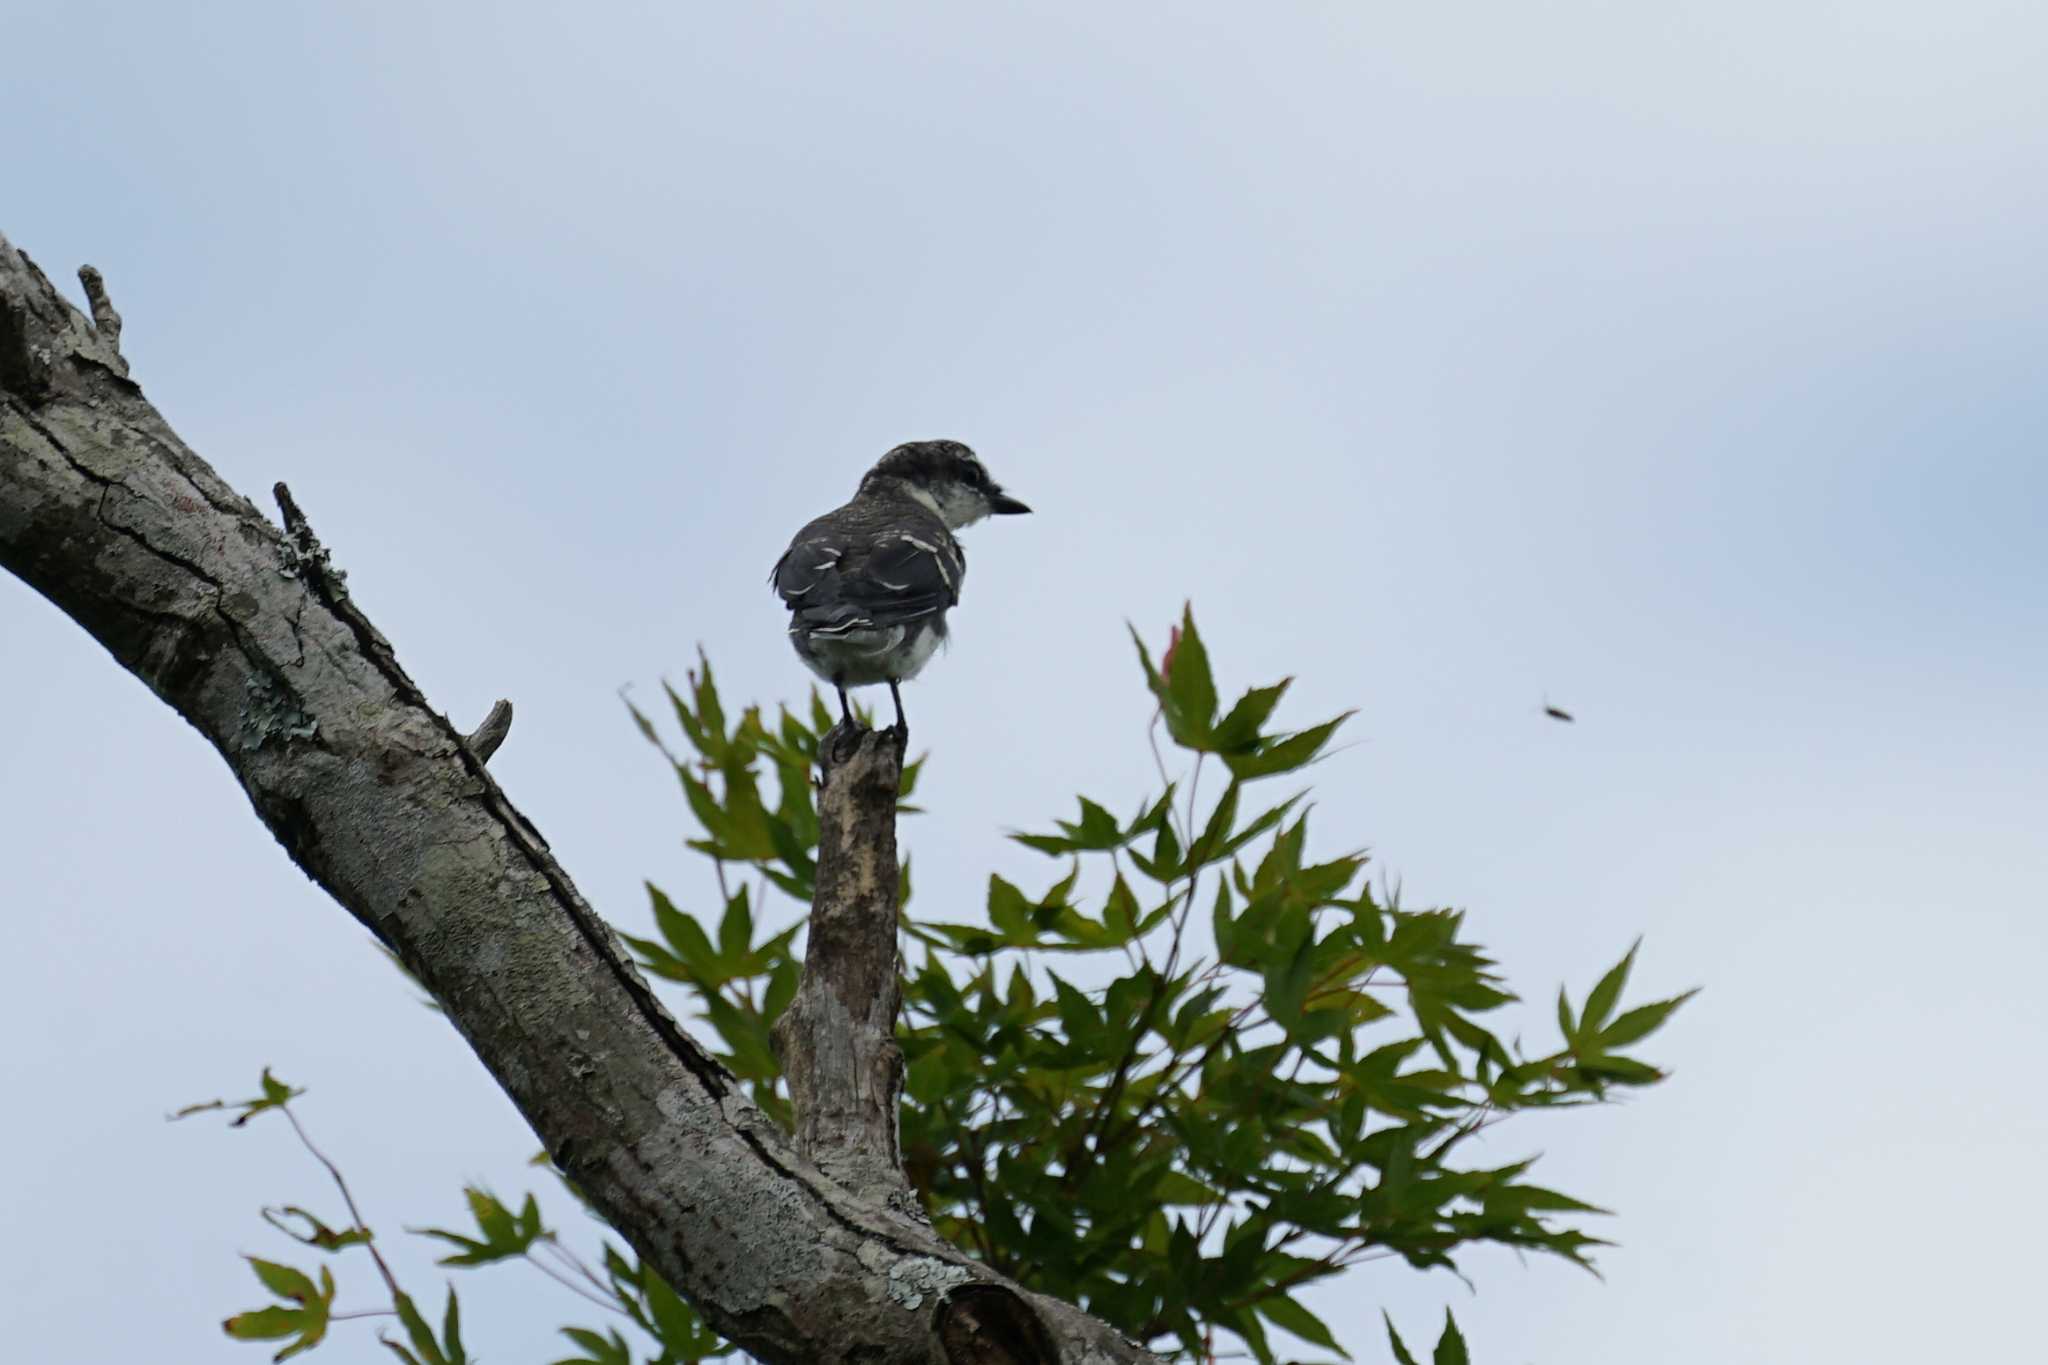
{"x": 1678, "y": 363}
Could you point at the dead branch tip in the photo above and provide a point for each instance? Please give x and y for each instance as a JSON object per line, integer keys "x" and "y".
{"x": 486, "y": 738}
{"x": 104, "y": 318}
{"x": 294, "y": 519}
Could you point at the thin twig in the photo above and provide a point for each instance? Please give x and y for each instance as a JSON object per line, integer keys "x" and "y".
{"x": 1131, "y": 958}
{"x": 1180, "y": 919}
{"x": 1076, "y": 1156}
{"x": 1486, "y": 1118}
{"x": 578, "y": 1290}
{"x": 1182, "y": 830}
{"x": 978, "y": 1178}
{"x": 1166, "y": 1086}
{"x": 1159, "y": 762}
{"x": 355, "y": 1214}
{"x": 575, "y": 1262}
{"x": 1205, "y": 1222}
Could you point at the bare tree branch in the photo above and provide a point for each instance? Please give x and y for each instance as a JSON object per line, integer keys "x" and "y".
{"x": 837, "y": 1039}
{"x": 251, "y": 635}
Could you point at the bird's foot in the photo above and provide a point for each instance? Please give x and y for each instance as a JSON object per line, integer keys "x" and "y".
{"x": 837, "y": 744}
{"x": 844, "y": 739}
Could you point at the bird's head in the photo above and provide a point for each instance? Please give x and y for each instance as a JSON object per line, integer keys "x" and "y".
{"x": 945, "y": 476}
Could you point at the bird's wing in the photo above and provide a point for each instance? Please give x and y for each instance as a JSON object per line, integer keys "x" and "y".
{"x": 831, "y": 585}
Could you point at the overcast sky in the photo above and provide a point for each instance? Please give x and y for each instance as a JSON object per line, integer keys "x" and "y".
{"x": 1679, "y": 364}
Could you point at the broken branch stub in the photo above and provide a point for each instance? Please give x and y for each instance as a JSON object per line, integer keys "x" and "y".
{"x": 837, "y": 1039}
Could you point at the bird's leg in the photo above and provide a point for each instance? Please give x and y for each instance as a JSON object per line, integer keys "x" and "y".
{"x": 839, "y": 737}
{"x": 901, "y": 727}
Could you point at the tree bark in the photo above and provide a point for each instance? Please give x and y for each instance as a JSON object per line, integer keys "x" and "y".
{"x": 837, "y": 1039}
{"x": 799, "y": 1252}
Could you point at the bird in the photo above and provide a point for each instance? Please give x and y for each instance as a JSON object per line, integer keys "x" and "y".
{"x": 868, "y": 584}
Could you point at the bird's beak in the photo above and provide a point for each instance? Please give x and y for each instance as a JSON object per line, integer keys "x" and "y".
{"x": 1003, "y": 504}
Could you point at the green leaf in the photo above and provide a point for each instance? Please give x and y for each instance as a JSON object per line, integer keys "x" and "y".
{"x": 1050, "y": 844}
{"x": 317, "y": 1233}
{"x": 597, "y": 1350}
{"x": 822, "y": 719}
{"x": 1601, "y": 1002}
{"x": 1286, "y": 754}
{"x": 529, "y": 1220}
{"x": 1221, "y": 925}
{"x": 276, "y": 1094}
{"x": 1120, "y": 911}
{"x": 1535, "y": 1199}
{"x": 1165, "y": 863}
{"x": 265, "y": 1324}
{"x": 1288, "y": 1315}
{"x": 304, "y": 1320}
{"x": 736, "y": 929}
{"x": 416, "y": 1328}
{"x": 646, "y": 726}
{"x": 1078, "y": 1016}
{"x": 1638, "y": 1023}
{"x": 1153, "y": 681}
{"x": 1098, "y": 828}
{"x": 709, "y": 711}
{"x": 1239, "y": 729}
{"x": 1248, "y": 1326}
{"x": 1176, "y": 1187}
{"x": 283, "y": 1281}
{"x": 1264, "y": 822}
{"x": 1183, "y": 685}
{"x": 451, "y": 1320}
{"x": 492, "y": 1217}
{"x": 1620, "y": 1071}
{"x": 908, "y": 783}
{"x": 504, "y": 1236}
{"x": 1450, "y": 1347}
{"x": 674, "y": 1321}
{"x": 1216, "y": 832}
{"x": 1401, "y": 1352}
{"x": 1009, "y": 911}
{"x": 1191, "y": 687}
{"x": 783, "y": 980}
{"x": 685, "y": 936}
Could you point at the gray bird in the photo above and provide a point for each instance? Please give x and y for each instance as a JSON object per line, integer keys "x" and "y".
{"x": 868, "y": 585}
